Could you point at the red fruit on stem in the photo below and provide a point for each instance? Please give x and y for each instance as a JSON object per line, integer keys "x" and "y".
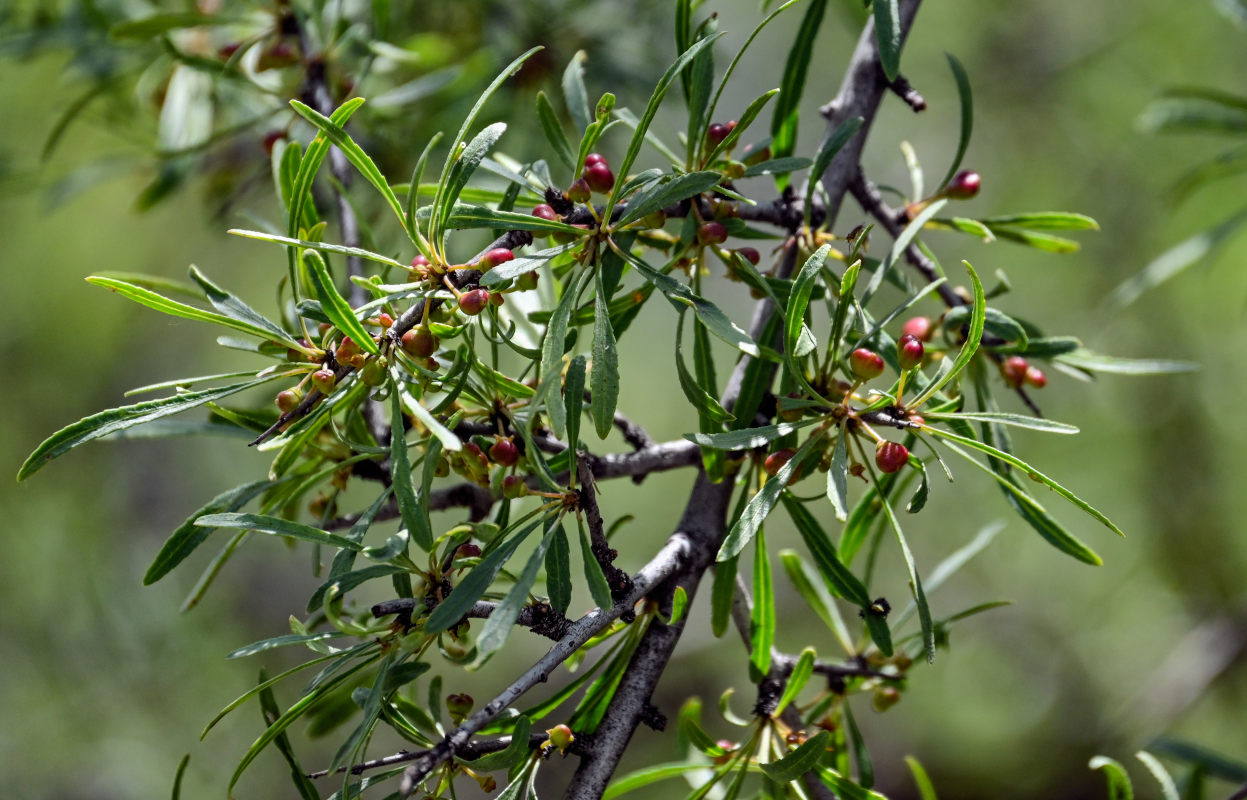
{"x": 717, "y": 132}
{"x": 324, "y": 380}
{"x": 909, "y": 351}
{"x": 866, "y": 364}
{"x": 963, "y": 186}
{"x": 712, "y": 233}
{"x": 595, "y": 158}
{"x": 1013, "y": 369}
{"x": 419, "y": 262}
{"x": 504, "y": 452}
{"x": 1035, "y": 377}
{"x": 919, "y": 327}
{"x": 600, "y": 178}
{"x": 419, "y": 343}
{"x": 891, "y": 456}
{"x": 288, "y": 400}
{"x": 499, "y": 255}
{"x": 545, "y": 212}
{"x": 473, "y": 302}
{"x": 751, "y": 255}
{"x": 226, "y": 51}
{"x": 468, "y": 550}
{"x": 776, "y": 461}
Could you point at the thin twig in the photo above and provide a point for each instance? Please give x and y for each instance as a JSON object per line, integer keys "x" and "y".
{"x": 902, "y": 89}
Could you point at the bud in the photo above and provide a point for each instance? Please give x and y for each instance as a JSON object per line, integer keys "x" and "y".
{"x": 866, "y": 364}
{"x": 324, "y": 380}
{"x": 885, "y": 697}
{"x": 546, "y": 212}
{"x": 473, "y": 302}
{"x": 288, "y": 400}
{"x": 499, "y": 255}
{"x": 909, "y": 351}
{"x": 963, "y": 186}
{"x": 776, "y": 461}
{"x": 600, "y": 178}
{"x": 385, "y": 320}
{"x": 561, "y": 737}
{"x": 459, "y": 706}
{"x": 1035, "y": 377}
{"x": 712, "y": 233}
{"x": 751, "y": 255}
{"x": 919, "y": 327}
{"x": 579, "y": 191}
{"x": 468, "y": 550}
{"x": 373, "y": 373}
{"x": 527, "y": 281}
{"x": 1013, "y": 369}
{"x": 419, "y": 343}
{"x": 504, "y": 452}
{"x": 891, "y": 456}
{"x": 513, "y": 486}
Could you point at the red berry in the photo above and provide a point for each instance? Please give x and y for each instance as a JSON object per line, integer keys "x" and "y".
{"x": 468, "y": 550}
{"x": 546, "y": 212}
{"x": 776, "y": 461}
{"x": 891, "y": 456}
{"x": 349, "y": 353}
{"x": 561, "y": 737}
{"x": 419, "y": 343}
{"x": 712, "y": 233}
{"x": 751, "y": 255}
{"x": 600, "y": 178}
{"x": 324, "y": 380}
{"x": 920, "y": 328}
{"x": 288, "y": 400}
{"x": 473, "y": 302}
{"x": 579, "y": 191}
{"x": 909, "y": 351}
{"x": 271, "y": 139}
{"x": 419, "y": 262}
{"x": 1013, "y": 369}
{"x": 963, "y": 186}
{"x": 717, "y": 132}
{"x": 504, "y": 452}
{"x": 499, "y": 255}
{"x": 595, "y": 158}
{"x": 513, "y": 486}
{"x": 226, "y": 51}
{"x": 1035, "y": 377}
{"x": 866, "y": 364}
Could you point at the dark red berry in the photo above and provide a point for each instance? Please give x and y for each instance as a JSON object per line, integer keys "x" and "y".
{"x": 909, "y": 351}
{"x": 776, "y": 461}
{"x": 468, "y": 550}
{"x": 1036, "y": 378}
{"x": 473, "y": 302}
{"x": 751, "y": 255}
{"x": 579, "y": 191}
{"x": 499, "y": 255}
{"x": 419, "y": 343}
{"x": 1013, "y": 369}
{"x": 919, "y": 327}
{"x": 712, "y": 233}
{"x": 600, "y": 178}
{"x": 419, "y": 262}
{"x": 891, "y": 456}
{"x": 504, "y": 452}
{"x": 546, "y": 212}
{"x": 866, "y": 364}
{"x": 963, "y": 186}
{"x": 595, "y": 158}
{"x": 717, "y": 132}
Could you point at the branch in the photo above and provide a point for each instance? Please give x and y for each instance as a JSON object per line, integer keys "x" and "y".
{"x": 669, "y": 560}
{"x": 469, "y": 750}
{"x": 539, "y": 617}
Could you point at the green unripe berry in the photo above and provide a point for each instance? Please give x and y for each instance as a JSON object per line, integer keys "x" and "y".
{"x": 288, "y": 400}
{"x": 866, "y": 364}
{"x": 373, "y": 372}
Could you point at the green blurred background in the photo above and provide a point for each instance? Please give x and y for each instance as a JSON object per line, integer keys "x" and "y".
{"x": 104, "y": 684}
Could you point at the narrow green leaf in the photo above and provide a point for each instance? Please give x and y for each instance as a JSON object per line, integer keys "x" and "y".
{"x": 899, "y": 247}
{"x": 117, "y": 419}
{"x": 915, "y": 585}
{"x": 761, "y": 504}
{"x": 702, "y": 400}
{"x": 559, "y": 571}
{"x": 152, "y": 26}
{"x": 665, "y": 193}
{"x": 599, "y": 589}
{"x": 188, "y": 536}
{"x": 1040, "y": 241}
{"x": 841, "y": 581}
{"x": 1016, "y": 420}
{"x": 778, "y": 166}
{"x": 747, "y": 438}
{"x": 797, "y": 67}
{"x": 762, "y": 621}
{"x": 554, "y": 131}
{"x": 494, "y": 634}
{"x": 415, "y": 514}
{"x": 516, "y": 751}
{"x": 475, "y": 583}
{"x": 845, "y": 788}
{"x": 1168, "y": 790}
{"x": 425, "y": 417}
{"x": 1119, "y": 787}
{"x": 354, "y": 154}
{"x": 1044, "y": 220}
{"x": 270, "y": 711}
{"x": 794, "y": 315}
{"x": 262, "y": 523}
{"x": 574, "y": 92}
{"x": 177, "y": 777}
{"x": 966, "y": 100}
{"x": 973, "y": 338}
{"x": 816, "y": 597}
{"x": 574, "y": 401}
{"x": 236, "y": 309}
{"x": 461, "y": 170}
{"x": 323, "y": 247}
{"x": 888, "y": 32}
{"x": 553, "y": 344}
{"x": 721, "y": 595}
{"x": 334, "y": 304}
{"x": 801, "y": 673}
{"x": 604, "y": 377}
{"x": 281, "y": 641}
{"x": 1095, "y": 362}
{"x": 800, "y": 761}
{"x": 645, "y": 776}
{"x": 826, "y": 152}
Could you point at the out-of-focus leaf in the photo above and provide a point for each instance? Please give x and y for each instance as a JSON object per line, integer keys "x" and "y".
{"x": 189, "y": 536}
{"x": 1119, "y": 787}
{"x": 1174, "y": 261}
{"x": 925, "y": 788}
{"x": 1167, "y": 788}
